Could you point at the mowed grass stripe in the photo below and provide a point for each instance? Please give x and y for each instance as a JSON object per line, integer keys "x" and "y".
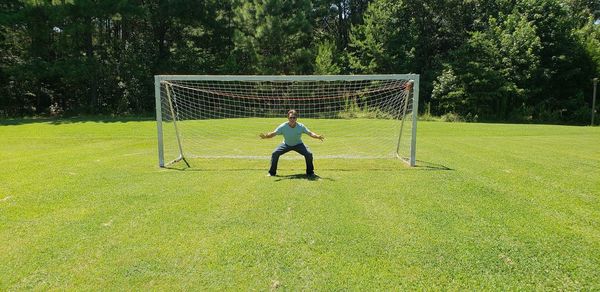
{"x": 540, "y": 185}
{"x": 519, "y": 226}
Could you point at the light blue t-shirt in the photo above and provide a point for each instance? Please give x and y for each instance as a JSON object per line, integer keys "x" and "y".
{"x": 291, "y": 136}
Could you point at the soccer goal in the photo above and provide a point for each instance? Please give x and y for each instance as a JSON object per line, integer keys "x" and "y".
{"x": 361, "y": 116}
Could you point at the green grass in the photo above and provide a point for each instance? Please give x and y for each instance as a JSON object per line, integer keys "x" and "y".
{"x": 84, "y": 206}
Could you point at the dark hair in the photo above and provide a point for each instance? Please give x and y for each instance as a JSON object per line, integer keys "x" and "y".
{"x": 292, "y": 112}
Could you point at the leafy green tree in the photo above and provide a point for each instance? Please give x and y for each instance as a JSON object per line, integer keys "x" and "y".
{"x": 490, "y": 76}
{"x": 589, "y": 37}
{"x": 410, "y": 36}
{"x": 450, "y": 93}
{"x": 564, "y": 63}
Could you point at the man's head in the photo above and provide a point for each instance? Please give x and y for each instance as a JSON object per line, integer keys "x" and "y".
{"x": 292, "y": 117}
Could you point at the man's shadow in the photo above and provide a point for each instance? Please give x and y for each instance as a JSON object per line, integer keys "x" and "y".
{"x": 301, "y": 176}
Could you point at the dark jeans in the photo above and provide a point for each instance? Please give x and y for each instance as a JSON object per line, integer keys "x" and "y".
{"x": 284, "y": 148}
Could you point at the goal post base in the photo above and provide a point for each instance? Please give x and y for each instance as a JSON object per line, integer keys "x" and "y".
{"x": 180, "y": 158}
{"x": 406, "y": 160}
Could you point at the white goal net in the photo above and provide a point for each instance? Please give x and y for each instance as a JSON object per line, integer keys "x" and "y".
{"x": 361, "y": 116}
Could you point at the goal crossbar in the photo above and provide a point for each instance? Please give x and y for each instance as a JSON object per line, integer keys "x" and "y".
{"x": 286, "y": 77}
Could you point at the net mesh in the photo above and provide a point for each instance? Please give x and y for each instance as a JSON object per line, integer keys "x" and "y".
{"x": 222, "y": 118}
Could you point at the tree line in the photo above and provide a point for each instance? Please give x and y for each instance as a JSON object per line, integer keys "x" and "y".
{"x": 479, "y": 60}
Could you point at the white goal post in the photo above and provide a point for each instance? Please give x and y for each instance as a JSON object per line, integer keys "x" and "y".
{"x": 220, "y": 116}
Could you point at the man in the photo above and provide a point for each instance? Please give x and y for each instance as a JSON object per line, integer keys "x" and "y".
{"x": 292, "y": 140}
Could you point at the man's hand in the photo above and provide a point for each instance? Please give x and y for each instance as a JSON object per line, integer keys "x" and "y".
{"x": 267, "y": 135}
{"x": 317, "y": 136}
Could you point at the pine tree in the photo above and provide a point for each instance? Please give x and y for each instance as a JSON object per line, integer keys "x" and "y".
{"x": 326, "y": 61}
{"x": 273, "y": 37}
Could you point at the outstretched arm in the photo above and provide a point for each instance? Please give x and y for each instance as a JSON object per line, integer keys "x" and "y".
{"x": 316, "y": 136}
{"x": 267, "y": 135}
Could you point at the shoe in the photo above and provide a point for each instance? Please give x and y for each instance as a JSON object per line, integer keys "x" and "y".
{"x": 270, "y": 174}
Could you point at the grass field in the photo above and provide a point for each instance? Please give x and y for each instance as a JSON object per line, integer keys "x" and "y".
{"x": 83, "y": 206}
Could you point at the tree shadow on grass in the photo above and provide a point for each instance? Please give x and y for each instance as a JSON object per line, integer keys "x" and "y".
{"x": 72, "y": 120}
